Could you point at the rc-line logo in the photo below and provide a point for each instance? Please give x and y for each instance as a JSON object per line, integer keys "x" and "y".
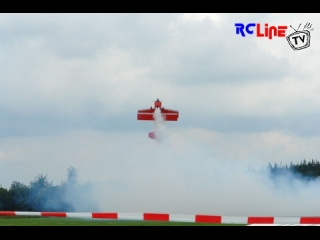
{"x": 269, "y": 32}
{"x": 297, "y": 40}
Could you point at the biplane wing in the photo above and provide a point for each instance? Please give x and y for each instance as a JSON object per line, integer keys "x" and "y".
{"x": 146, "y": 114}
{"x": 167, "y": 114}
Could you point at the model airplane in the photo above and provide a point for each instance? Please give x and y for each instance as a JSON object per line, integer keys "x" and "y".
{"x": 149, "y": 114}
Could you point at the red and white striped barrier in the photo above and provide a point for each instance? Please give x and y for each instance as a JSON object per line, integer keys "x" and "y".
{"x": 172, "y": 217}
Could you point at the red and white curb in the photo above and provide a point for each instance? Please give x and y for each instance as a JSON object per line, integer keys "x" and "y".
{"x": 284, "y": 225}
{"x": 253, "y": 220}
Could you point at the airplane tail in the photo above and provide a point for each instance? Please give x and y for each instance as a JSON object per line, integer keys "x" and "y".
{"x": 152, "y": 135}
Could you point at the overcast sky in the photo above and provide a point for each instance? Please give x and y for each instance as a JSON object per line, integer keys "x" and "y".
{"x": 71, "y": 85}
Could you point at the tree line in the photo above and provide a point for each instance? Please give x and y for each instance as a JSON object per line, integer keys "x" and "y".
{"x": 308, "y": 170}
{"x": 41, "y": 195}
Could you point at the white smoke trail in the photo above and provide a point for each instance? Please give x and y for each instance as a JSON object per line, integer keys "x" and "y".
{"x": 159, "y": 126}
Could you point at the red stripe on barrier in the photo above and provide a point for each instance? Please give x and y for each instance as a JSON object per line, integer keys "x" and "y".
{"x": 53, "y": 214}
{"x": 262, "y": 220}
{"x": 208, "y": 219}
{"x": 156, "y": 217}
{"x": 310, "y": 220}
{"x": 105, "y": 215}
{"x": 7, "y": 213}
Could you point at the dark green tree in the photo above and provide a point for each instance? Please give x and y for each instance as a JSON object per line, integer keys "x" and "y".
{"x": 303, "y": 170}
{"x": 40, "y": 192}
{"x": 18, "y": 196}
{"x": 4, "y": 199}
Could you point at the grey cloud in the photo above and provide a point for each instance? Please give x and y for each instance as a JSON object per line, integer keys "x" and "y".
{"x": 305, "y": 125}
{"x": 199, "y": 53}
{"x": 84, "y": 35}
{"x": 94, "y": 71}
{"x": 182, "y": 53}
{"x": 299, "y": 125}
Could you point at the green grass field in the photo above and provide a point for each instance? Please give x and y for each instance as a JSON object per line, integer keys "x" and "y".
{"x": 48, "y": 221}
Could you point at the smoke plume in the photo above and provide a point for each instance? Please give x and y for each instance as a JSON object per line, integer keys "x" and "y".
{"x": 182, "y": 174}
{"x": 179, "y": 175}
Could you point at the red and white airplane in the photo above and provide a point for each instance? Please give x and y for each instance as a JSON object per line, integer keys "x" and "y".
{"x": 148, "y": 114}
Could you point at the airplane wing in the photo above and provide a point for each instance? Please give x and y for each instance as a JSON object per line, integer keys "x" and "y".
{"x": 145, "y": 114}
{"x": 168, "y": 114}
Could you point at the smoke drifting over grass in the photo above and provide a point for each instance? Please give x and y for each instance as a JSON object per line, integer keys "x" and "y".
{"x": 41, "y": 195}
{"x": 182, "y": 174}
{"x": 179, "y": 175}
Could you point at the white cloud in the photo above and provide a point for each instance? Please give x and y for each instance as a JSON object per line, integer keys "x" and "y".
{"x": 2, "y": 155}
{"x": 214, "y": 17}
